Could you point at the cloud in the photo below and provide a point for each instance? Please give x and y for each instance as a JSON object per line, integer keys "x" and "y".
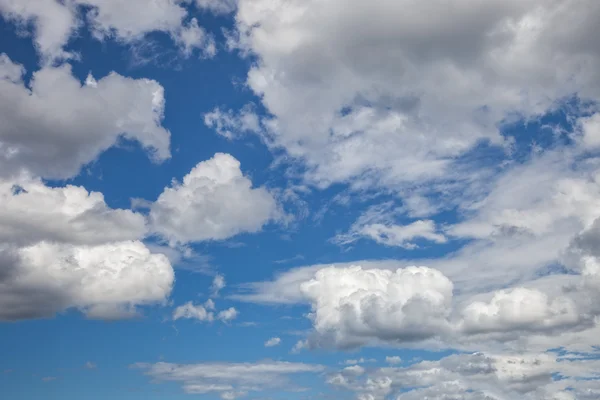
{"x": 214, "y": 201}
{"x": 352, "y": 305}
{"x": 228, "y": 315}
{"x": 227, "y": 379}
{"x": 393, "y": 360}
{"x": 274, "y": 341}
{"x": 361, "y": 360}
{"x": 191, "y": 311}
{"x": 55, "y": 23}
{"x": 204, "y": 312}
{"x": 52, "y": 126}
{"x": 399, "y": 101}
{"x": 63, "y": 247}
{"x": 31, "y": 212}
{"x": 90, "y": 365}
{"x": 104, "y": 281}
{"x": 192, "y": 37}
{"x": 231, "y": 125}
{"x": 478, "y": 376}
{"x": 217, "y": 284}
{"x": 393, "y": 235}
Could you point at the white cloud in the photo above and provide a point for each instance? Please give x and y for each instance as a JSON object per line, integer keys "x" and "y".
{"x": 361, "y": 360}
{"x": 228, "y": 315}
{"x": 521, "y": 308}
{"x": 392, "y": 103}
{"x": 274, "y": 341}
{"x": 191, "y": 311}
{"x": 215, "y": 201}
{"x": 52, "y": 128}
{"x": 393, "y": 360}
{"x": 103, "y": 281}
{"x": 205, "y": 313}
{"x": 217, "y": 6}
{"x": 31, "y": 212}
{"x": 217, "y": 284}
{"x": 55, "y": 22}
{"x": 230, "y": 125}
{"x": 63, "y": 247}
{"x": 192, "y": 37}
{"x": 353, "y": 306}
{"x": 226, "y": 379}
{"x": 415, "y": 306}
{"x": 394, "y": 235}
{"x": 476, "y": 376}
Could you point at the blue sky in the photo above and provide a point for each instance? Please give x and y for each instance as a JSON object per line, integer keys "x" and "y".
{"x": 281, "y": 199}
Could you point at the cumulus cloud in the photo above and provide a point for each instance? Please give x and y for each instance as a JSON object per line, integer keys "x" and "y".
{"x": 31, "y": 212}
{"x": 352, "y": 306}
{"x": 229, "y": 379}
{"x": 54, "y": 22}
{"x": 52, "y": 126}
{"x": 274, "y": 341}
{"x": 103, "y": 281}
{"x": 63, "y": 248}
{"x": 214, "y": 201}
{"x": 395, "y": 102}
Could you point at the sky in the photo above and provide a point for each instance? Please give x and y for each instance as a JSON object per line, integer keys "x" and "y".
{"x": 300, "y": 199}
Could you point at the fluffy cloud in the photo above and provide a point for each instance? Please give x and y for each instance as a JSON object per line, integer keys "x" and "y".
{"x": 52, "y": 126}
{"x": 65, "y": 248}
{"x": 31, "y": 212}
{"x": 55, "y": 22}
{"x": 217, "y": 284}
{"x": 274, "y": 341}
{"x": 103, "y": 281}
{"x": 352, "y": 306}
{"x": 215, "y": 201}
{"x": 204, "y": 312}
{"x": 390, "y": 92}
{"x": 521, "y": 308}
{"x": 229, "y": 380}
{"x": 228, "y": 315}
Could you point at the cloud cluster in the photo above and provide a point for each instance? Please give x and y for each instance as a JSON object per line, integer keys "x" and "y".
{"x": 55, "y": 23}
{"x": 354, "y": 306}
{"x": 478, "y": 376}
{"x": 229, "y": 380}
{"x": 390, "y": 93}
